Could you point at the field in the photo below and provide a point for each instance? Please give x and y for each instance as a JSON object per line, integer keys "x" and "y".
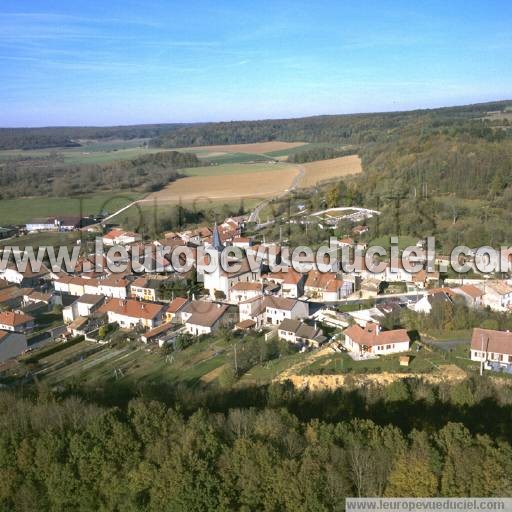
{"x": 254, "y": 148}
{"x": 19, "y": 211}
{"x": 330, "y": 169}
{"x": 229, "y": 182}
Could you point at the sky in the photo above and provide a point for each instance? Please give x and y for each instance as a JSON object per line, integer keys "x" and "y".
{"x": 107, "y": 62}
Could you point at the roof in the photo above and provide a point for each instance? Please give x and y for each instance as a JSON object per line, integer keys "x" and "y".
{"x": 471, "y": 290}
{"x": 176, "y": 304}
{"x": 327, "y": 281}
{"x": 290, "y": 277}
{"x": 493, "y": 341}
{"x": 204, "y": 313}
{"x": 77, "y": 323}
{"x": 246, "y": 286}
{"x": 500, "y": 287}
{"x": 371, "y": 335}
{"x": 245, "y": 324}
{"x": 132, "y": 308}
{"x": 114, "y": 282}
{"x": 284, "y": 303}
{"x": 13, "y": 319}
{"x": 89, "y": 298}
{"x": 300, "y": 329}
{"x": 161, "y": 329}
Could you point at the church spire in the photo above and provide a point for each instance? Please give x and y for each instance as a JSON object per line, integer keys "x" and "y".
{"x": 217, "y": 244}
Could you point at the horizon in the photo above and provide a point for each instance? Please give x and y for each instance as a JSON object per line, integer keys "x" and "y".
{"x": 262, "y": 119}
{"x": 131, "y": 63}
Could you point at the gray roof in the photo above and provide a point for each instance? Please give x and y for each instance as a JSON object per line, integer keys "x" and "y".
{"x": 12, "y": 344}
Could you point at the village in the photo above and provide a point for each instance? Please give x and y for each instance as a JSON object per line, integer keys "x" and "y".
{"x": 311, "y": 310}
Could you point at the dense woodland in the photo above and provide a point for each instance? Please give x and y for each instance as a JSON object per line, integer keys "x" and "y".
{"x": 271, "y": 448}
{"x": 70, "y": 136}
{"x": 321, "y": 153}
{"x": 47, "y": 177}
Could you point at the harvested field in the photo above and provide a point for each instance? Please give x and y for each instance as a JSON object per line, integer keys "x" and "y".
{"x": 256, "y": 147}
{"x": 227, "y": 186}
{"x": 330, "y": 169}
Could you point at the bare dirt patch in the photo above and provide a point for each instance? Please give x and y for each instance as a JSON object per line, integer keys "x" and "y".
{"x": 330, "y": 169}
{"x": 446, "y": 373}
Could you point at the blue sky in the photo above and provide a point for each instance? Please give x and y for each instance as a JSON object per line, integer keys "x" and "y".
{"x": 101, "y": 62}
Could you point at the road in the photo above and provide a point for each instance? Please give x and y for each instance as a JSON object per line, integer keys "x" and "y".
{"x": 255, "y": 214}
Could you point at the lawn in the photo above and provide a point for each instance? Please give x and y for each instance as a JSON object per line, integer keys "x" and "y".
{"x": 22, "y": 210}
{"x": 423, "y": 361}
{"x": 50, "y": 239}
{"x": 385, "y": 242}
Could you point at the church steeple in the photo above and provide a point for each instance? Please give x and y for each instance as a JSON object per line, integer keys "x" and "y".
{"x": 217, "y": 244}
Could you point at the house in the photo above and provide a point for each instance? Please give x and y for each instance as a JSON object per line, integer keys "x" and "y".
{"x": 147, "y": 288}
{"x": 241, "y": 241}
{"x": 26, "y": 278}
{"x": 271, "y": 310}
{"x": 130, "y": 313}
{"x": 244, "y": 290}
{"x": 174, "y": 309}
{"x": 82, "y": 307}
{"x": 346, "y": 242}
{"x": 114, "y": 286}
{"x": 12, "y": 297}
{"x": 299, "y": 333}
{"x": 472, "y": 295}
{"x": 497, "y": 295}
{"x": 16, "y": 322}
{"x": 422, "y": 279}
{"x": 12, "y": 344}
{"x": 120, "y": 237}
{"x": 202, "y": 317}
{"x": 435, "y": 296}
{"x": 291, "y": 283}
{"x": 492, "y": 347}
{"x": 158, "y": 334}
{"x": 372, "y": 340}
{"x": 327, "y": 286}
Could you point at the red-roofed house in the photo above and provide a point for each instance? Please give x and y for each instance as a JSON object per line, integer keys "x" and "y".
{"x": 18, "y": 322}
{"x": 131, "y": 313}
{"x": 371, "y": 339}
{"x": 120, "y": 237}
{"x": 327, "y": 286}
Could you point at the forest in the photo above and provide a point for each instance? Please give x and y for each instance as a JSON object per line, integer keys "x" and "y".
{"x": 70, "y": 136}
{"x": 47, "y": 177}
{"x": 264, "y": 449}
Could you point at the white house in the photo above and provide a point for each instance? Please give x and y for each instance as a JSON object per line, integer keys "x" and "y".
{"x": 132, "y": 313}
{"x": 472, "y": 295}
{"x": 492, "y": 347}
{"x": 202, "y": 317}
{"x": 270, "y": 310}
{"x": 291, "y": 282}
{"x": 327, "y": 286}
{"x": 497, "y": 295}
{"x": 299, "y": 333}
{"x": 82, "y": 307}
{"x": 120, "y": 237}
{"x": 438, "y": 296}
{"x": 18, "y": 322}
{"x": 115, "y": 287}
{"x": 372, "y": 340}
{"x": 244, "y": 290}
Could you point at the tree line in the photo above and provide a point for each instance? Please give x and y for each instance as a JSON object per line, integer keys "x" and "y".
{"x": 278, "y": 449}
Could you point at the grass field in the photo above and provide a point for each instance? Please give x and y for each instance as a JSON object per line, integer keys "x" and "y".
{"x": 19, "y": 211}
{"x": 43, "y": 239}
{"x": 235, "y": 168}
{"x": 330, "y": 169}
